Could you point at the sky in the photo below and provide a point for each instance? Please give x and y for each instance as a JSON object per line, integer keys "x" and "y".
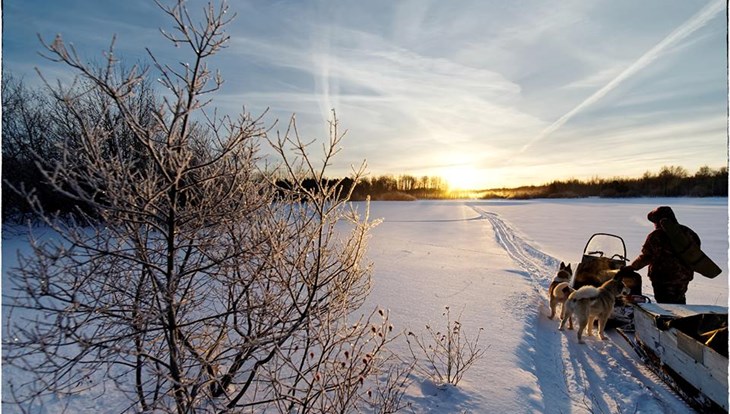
{"x": 484, "y": 93}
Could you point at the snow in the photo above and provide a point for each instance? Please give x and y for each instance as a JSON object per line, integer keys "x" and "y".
{"x": 493, "y": 261}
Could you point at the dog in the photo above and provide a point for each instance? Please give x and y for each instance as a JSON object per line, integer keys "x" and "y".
{"x": 560, "y": 296}
{"x": 590, "y": 303}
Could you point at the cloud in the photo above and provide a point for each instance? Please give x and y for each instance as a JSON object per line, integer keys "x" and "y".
{"x": 360, "y": 72}
{"x": 687, "y": 28}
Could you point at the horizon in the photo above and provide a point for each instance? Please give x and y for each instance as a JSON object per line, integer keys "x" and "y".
{"x": 690, "y": 173}
{"x": 484, "y": 95}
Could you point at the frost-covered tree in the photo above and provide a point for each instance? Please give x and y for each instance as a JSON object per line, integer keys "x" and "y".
{"x": 189, "y": 282}
{"x": 34, "y": 124}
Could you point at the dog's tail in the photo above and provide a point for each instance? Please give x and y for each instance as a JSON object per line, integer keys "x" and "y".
{"x": 574, "y": 300}
{"x": 586, "y": 292}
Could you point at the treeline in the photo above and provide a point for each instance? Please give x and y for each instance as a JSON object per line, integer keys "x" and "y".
{"x": 382, "y": 188}
{"x": 401, "y": 187}
{"x": 670, "y": 181}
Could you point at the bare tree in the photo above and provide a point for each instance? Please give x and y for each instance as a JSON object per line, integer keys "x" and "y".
{"x": 195, "y": 285}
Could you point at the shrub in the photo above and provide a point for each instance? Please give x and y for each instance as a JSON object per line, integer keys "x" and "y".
{"x": 446, "y": 355}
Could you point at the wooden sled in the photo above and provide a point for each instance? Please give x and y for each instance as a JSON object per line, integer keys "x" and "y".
{"x": 687, "y": 347}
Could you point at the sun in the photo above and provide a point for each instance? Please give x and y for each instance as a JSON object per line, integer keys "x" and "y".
{"x": 462, "y": 178}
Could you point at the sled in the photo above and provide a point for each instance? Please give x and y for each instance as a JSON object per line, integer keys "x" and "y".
{"x": 687, "y": 347}
{"x": 602, "y": 253}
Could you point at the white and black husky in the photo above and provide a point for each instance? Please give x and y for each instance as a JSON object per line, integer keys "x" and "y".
{"x": 590, "y": 303}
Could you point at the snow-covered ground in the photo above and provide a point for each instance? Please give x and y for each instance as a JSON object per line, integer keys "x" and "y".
{"x": 493, "y": 261}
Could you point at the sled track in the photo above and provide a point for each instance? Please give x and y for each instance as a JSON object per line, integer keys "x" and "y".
{"x": 599, "y": 377}
{"x": 538, "y": 265}
{"x": 542, "y": 341}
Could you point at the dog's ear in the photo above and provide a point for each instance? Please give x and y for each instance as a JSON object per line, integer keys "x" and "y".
{"x": 562, "y": 265}
{"x": 568, "y": 268}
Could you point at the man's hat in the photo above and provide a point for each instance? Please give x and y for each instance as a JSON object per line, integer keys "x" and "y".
{"x": 662, "y": 212}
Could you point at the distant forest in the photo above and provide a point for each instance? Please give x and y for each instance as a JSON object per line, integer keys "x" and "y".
{"x": 670, "y": 181}
{"x": 36, "y": 127}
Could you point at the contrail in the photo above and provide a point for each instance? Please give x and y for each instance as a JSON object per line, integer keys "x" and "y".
{"x": 323, "y": 82}
{"x": 695, "y": 22}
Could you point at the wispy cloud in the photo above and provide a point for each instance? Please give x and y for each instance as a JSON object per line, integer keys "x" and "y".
{"x": 687, "y": 28}
{"x": 424, "y": 95}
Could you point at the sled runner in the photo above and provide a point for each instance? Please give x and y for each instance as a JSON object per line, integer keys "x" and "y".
{"x": 687, "y": 347}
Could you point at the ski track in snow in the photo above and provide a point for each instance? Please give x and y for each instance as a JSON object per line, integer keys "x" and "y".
{"x": 597, "y": 377}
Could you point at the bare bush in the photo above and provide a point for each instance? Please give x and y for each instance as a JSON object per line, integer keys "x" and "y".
{"x": 386, "y": 396}
{"x": 190, "y": 283}
{"x": 445, "y": 355}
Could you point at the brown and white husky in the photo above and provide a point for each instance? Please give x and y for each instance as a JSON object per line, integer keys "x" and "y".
{"x": 559, "y": 288}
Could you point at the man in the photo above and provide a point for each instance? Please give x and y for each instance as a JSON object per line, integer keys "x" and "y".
{"x": 669, "y": 275}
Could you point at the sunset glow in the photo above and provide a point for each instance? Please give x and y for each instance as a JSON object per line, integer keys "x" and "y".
{"x": 463, "y": 178}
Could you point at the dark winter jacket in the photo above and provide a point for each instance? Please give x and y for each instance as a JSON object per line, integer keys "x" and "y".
{"x": 669, "y": 276}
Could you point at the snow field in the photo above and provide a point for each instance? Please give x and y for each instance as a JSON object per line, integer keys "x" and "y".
{"x": 492, "y": 262}
{"x": 495, "y": 260}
